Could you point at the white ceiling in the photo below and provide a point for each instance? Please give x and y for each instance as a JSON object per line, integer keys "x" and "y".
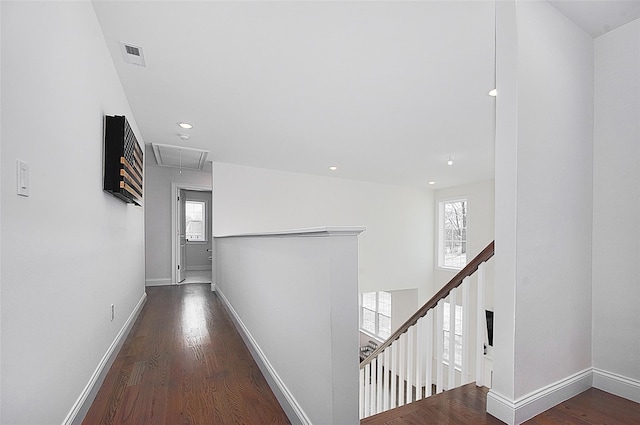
{"x": 386, "y": 91}
{"x": 597, "y": 17}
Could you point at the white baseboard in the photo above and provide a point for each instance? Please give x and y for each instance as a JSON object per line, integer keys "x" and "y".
{"x": 83, "y": 403}
{"x": 289, "y": 404}
{"x": 158, "y": 282}
{"x": 536, "y": 402}
{"x": 616, "y": 384}
{"x": 204, "y": 267}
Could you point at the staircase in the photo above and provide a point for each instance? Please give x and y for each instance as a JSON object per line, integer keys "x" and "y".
{"x": 414, "y": 363}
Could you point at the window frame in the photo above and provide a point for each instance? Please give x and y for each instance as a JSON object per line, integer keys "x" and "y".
{"x": 446, "y": 360}
{"x": 204, "y": 220}
{"x": 377, "y": 314}
{"x": 440, "y": 248}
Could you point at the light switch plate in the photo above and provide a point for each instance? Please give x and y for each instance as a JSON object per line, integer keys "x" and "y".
{"x": 22, "y": 169}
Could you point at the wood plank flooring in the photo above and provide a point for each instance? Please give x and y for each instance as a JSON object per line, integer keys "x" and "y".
{"x": 592, "y": 407}
{"x": 466, "y": 405}
{"x": 463, "y": 405}
{"x": 184, "y": 363}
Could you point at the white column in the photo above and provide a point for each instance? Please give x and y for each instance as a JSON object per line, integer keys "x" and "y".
{"x": 420, "y": 355}
{"x": 362, "y": 391}
{"x": 481, "y": 327}
{"x": 394, "y": 370}
{"x": 439, "y": 346}
{"x": 451, "y": 381}
{"x": 465, "y": 374}
{"x": 410, "y": 356}
{"x": 385, "y": 379}
{"x": 402, "y": 364}
{"x": 367, "y": 390}
{"x": 379, "y": 384}
{"x": 373, "y": 386}
{"x": 428, "y": 354}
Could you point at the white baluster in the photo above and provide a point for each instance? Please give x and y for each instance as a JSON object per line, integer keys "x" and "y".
{"x": 385, "y": 379}
{"x": 374, "y": 386}
{"x": 465, "y": 374}
{"x": 481, "y": 326}
{"x": 367, "y": 390}
{"x": 402, "y": 358}
{"x": 419, "y": 356}
{"x": 379, "y": 385}
{"x": 428, "y": 382}
{"x": 410, "y": 364}
{"x": 451, "y": 381}
{"x": 362, "y": 391}
{"x": 439, "y": 346}
{"x": 394, "y": 380}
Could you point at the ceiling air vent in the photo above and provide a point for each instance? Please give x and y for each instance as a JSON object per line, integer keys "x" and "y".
{"x": 132, "y": 54}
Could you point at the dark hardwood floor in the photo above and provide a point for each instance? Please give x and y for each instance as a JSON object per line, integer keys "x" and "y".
{"x": 590, "y": 408}
{"x": 184, "y": 363}
{"x": 466, "y": 405}
{"x": 463, "y": 405}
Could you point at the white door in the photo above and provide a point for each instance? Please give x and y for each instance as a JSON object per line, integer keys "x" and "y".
{"x": 182, "y": 237}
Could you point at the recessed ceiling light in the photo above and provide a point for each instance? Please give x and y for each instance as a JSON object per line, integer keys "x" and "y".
{"x": 185, "y": 125}
{"x": 450, "y": 161}
{"x": 493, "y": 93}
{"x": 183, "y": 136}
{"x": 333, "y": 168}
{"x": 432, "y": 183}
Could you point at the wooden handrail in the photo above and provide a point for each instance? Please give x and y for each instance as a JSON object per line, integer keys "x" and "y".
{"x": 468, "y": 270}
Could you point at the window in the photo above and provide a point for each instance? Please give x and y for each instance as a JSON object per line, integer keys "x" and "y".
{"x": 195, "y": 213}
{"x": 452, "y": 244}
{"x": 457, "y": 333}
{"x": 375, "y": 313}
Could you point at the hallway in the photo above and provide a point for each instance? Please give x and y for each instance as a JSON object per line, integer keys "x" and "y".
{"x": 184, "y": 363}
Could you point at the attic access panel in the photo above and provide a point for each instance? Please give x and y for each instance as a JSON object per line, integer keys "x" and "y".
{"x": 179, "y": 157}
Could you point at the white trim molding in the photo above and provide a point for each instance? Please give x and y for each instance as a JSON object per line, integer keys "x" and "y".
{"x": 199, "y": 268}
{"x": 526, "y": 407}
{"x": 175, "y": 187}
{"x": 82, "y": 404}
{"x": 616, "y": 384}
{"x": 158, "y": 282}
{"x": 294, "y": 412}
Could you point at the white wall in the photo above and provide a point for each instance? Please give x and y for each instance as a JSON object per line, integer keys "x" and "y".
{"x": 0, "y": 218}
{"x": 197, "y": 254}
{"x": 294, "y": 299}
{"x": 158, "y": 213}
{"x": 69, "y": 250}
{"x": 396, "y": 251}
{"x": 543, "y": 298}
{"x": 555, "y": 156}
{"x": 616, "y": 203}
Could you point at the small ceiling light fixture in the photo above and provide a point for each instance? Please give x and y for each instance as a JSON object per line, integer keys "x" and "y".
{"x": 493, "y": 93}
{"x": 450, "y": 161}
{"x": 333, "y": 168}
{"x": 184, "y": 136}
{"x": 185, "y": 125}
{"x": 432, "y": 183}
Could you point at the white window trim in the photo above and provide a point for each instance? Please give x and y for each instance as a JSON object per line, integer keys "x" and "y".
{"x": 439, "y": 225}
{"x": 376, "y": 315}
{"x": 204, "y": 220}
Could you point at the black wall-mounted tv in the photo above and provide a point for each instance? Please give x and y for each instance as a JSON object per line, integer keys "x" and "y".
{"x": 123, "y": 161}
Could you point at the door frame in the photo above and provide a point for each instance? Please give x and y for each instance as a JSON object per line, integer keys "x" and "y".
{"x": 175, "y": 240}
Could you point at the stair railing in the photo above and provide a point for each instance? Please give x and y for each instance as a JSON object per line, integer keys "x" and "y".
{"x": 400, "y": 370}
